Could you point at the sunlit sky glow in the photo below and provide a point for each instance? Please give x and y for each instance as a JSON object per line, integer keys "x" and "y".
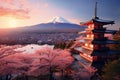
{"x": 31, "y": 12}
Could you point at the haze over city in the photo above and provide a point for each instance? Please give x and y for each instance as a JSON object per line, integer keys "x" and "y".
{"x": 17, "y": 13}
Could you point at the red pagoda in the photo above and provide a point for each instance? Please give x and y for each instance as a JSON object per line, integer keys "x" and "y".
{"x": 100, "y": 51}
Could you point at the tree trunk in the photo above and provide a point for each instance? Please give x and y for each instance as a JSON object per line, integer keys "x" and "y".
{"x": 51, "y": 74}
{"x": 0, "y": 77}
{"x": 7, "y": 77}
{"x": 62, "y": 74}
{"x": 26, "y": 77}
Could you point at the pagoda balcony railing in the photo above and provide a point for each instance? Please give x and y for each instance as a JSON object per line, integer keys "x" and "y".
{"x": 89, "y": 32}
{"x": 81, "y": 50}
{"x": 103, "y": 42}
{"x": 89, "y": 29}
{"x": 87, "y": 48}
{"x": 88, "y": 38}
{"x": 102, "y": 29}
{"x": 101, "y": 39}
{"x": 87, "y": 51}
{"x": 102, "y": 48}
{"x": 87, "y": 57}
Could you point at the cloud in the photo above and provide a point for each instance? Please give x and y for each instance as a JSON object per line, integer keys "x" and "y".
{"x": 17, "y": 13}
{"x": 46, "y": 5}
{"x": 14, "y": 8}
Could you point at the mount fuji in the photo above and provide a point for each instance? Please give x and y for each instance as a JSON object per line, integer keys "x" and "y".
{"x": 58, "y": 19}
{"x": 57, "y": 24}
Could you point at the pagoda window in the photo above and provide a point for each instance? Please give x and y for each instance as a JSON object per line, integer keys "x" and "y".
{"x": 97, "y": 36}
{"x": 96, "y": 47}
{"x": 86, "y": 44}
{"x": 103, "y": 46}
{"x": 95, "y": 58}
{"x": 84, "y": 54}
{"x": 92, "y": 36}
{"x": 101, "y": 35}
{"x": 89, "y": 26}
{"x": 92, "y": 26}
{"x": 91, "y": 45}
{"x": 88, "y": 35}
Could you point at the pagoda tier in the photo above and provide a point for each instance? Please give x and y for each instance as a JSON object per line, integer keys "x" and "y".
{"x": 81, "y": 50}
{"x": 97, "y": 20}
{"x": 88, "y": 39}
{"x": 103, "y": 52}
{"x": 88, "y": 48}
{"x": 87, "y": 57}
{"x": 95, "y": 35}
{"x": 102, "y": 42}
{"x": 86, "y": 54}
{"x": 104, "y": 31}
{"x": 103, "y": 22}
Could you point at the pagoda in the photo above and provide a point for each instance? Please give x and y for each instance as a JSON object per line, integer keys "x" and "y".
{"x": 95, "y": 47}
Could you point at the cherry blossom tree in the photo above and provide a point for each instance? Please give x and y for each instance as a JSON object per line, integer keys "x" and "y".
{"x": 50, "y": 60}
{"x": 16, "y": 64}
{"x": 43, "y": 62}
{"x": 8, "y": 50}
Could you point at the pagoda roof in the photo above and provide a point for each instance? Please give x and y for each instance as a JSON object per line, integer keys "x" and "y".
{"x": 97, "y": 20}
{"x": 80, "y": 49}
{"x": 82, "y": 32}
{"x": 86, "y": 38}
{"x": 87, "y": 48}
{"x": 103, "y": 53}
{"x": 104, "y": 42}
{"x": 104, "y": 22}
{"x": 82, "y": 40}
{"x": 82, "y": 60}
{"x": 104, "y": 31}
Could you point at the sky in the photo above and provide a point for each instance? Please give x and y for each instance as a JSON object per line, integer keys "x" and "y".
{"x": 18, "y": 13}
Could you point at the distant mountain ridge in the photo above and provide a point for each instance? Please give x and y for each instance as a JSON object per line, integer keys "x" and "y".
{"x": 57, "y": 24}
{"x": 54, "y": 27}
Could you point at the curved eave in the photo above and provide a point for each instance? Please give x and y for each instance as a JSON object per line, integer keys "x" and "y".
{"x": 104, "y": 31}
{"x": 97, "y": 20}
{"x": 103, "y": 53}
{"x": 82, "y": 32}
{"x": 104, "y": 22}
{"x": 86, "y": 23}
{"x": 87, "y": 48}
{"x": 83, "y": 41}
{"x": 104, "y": 42}
{"x": 85, "y": 38}
{"x": 80, "y": 49}
{"x": 88, "y": 58}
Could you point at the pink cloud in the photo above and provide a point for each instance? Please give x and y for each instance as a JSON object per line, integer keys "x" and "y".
{"x": 46, "y": 5}
{"x": 17, "y": 13}
{"x": 16, "y": 9}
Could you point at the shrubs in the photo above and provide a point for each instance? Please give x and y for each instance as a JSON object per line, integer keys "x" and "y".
{"x": 112, "y": 70}
{"x": 64, "y": 45}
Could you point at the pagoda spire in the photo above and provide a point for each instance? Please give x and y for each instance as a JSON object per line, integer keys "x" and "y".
{"x": 95, "y": 12}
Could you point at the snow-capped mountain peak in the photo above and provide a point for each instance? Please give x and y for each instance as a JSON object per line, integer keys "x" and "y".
{"x": 58, "y": 19}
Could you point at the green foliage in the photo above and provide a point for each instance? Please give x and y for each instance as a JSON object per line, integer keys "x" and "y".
{"x": 111, "y": 70}
{"x": 64, "y": 45}
{"x": 117, "y": 38}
